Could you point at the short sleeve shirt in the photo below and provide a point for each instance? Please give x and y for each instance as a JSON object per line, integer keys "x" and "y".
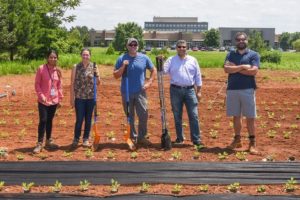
{"x": 238, "y": 81}
{"x": 136, "y": 72}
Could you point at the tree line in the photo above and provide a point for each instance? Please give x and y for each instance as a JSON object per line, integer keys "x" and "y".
{"x": 29, "y": 28}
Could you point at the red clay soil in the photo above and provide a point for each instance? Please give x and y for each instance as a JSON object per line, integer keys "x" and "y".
{"x": 278, "y": 127}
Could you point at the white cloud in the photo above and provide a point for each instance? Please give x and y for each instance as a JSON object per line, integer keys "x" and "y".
{"x": 105, "y": 14}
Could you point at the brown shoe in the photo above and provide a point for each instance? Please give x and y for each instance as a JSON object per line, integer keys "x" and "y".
{"x": 51, "y": 145}
{"x": 38, "y": 148}
{"x": 252, "y": 146}
{"x": 236, "y": 143}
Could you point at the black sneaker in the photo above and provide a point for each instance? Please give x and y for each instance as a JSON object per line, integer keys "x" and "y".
{"x": 178, "y": 141}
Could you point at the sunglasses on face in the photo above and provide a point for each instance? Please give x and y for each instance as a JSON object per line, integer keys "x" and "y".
{"x": 240, "y": 39}
{"x": 133, "y": 45}
{"x": 181, "y": 47}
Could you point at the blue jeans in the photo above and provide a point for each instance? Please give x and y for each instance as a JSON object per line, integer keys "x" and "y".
{"x": 187, "y": 97}
{"x": 84, "y": 111}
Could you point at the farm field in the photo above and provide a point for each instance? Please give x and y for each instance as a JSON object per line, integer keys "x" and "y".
{"x": 207, "y": 59}
{"x": 278, "y": 124}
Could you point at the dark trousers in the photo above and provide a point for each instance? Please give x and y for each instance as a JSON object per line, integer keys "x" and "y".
{"x": 84, "y": 111}
{"x": 46, "y": 114}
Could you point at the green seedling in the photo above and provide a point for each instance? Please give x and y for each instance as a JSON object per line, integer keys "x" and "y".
{"x": 218, "y": 116}
{"x": 271, "y": 133}
{"x": 67, "y": 154}
{"x": 20, "y": 156}
{"x": 271, "y": 115}
{"x": 84, "y": 185}
{"x": 203, "y": 188}
{"x": 282, "y": 117}
{"x": 56, "y": 187}
{"x": 2, "y": 183}
{"x": 4, "y": 135}
{"x": 27, "y": 187}
{"x": 177, "y": 189}
{"x": 261, "y": 189}
{"x": 213, "y": 133}
{"x": 267, "y": 108}
{"x": 144, "y": 187}
{"x": 216, "y": 125}
{"x": 17, "y": 121}
{"x": 263, "y": 124}
{"x": 22, "y": 134}
{"x": 270, "y": 158}
{"x": 223, "y": 156}
{"x": 176, "y": 155}
{"x": 62, "y": 122}
{"x": 287, "y": 134}
{"x": 277, "y": 125}
{"x": 111, "y": 135}
{"x": 290, "y": 185}
{"x": 6, "y": 112}
{"x": 42, "y": 156}
{"x": 156, "y": 155}
{"x": 2, "y": 122}
{"x": 114, "y": 188}
{"x": 294, "y": 126}
{"x": 110, "y": 114}
{"x": 234, "y": 187}
{"x": 89, "y": 153}
{"x": 241, "y": 155}
{"x": 133, "y": 155}
{"x": 3, "y": 152}
{"x": 184, "y": 124}
{"x": 111, "y": 155}
{"x": 31, "y": 112}
{"x": 196, "y": 155}
{"x": 28, "y": 122}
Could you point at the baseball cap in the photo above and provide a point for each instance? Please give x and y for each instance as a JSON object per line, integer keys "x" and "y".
{"x": 130, "y": 40}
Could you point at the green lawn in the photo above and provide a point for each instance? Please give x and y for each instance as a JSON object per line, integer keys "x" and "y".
{"x": 290, "y": 61}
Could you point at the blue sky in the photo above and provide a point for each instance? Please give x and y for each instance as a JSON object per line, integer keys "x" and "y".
{"x": 284, "y": 16}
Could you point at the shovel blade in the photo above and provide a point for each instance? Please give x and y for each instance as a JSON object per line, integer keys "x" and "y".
{"x": 166, "y": 143}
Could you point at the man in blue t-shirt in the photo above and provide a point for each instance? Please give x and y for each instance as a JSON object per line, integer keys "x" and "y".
{"x": 132, "y": 66}
{"x": 242, "y": 66}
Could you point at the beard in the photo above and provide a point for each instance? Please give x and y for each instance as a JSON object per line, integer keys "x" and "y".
{"x": 241, "y": 46}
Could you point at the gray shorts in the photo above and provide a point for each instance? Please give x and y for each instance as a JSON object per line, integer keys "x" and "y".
{"x": 241, "y": 103}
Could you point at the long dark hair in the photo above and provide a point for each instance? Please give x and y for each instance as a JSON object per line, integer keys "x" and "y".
{"x": 58, "y": 70}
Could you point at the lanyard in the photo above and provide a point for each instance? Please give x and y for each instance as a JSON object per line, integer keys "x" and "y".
{"x": 50, "y": 75}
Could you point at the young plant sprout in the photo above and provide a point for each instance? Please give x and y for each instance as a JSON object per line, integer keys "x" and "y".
{"x": 56, "y": 187}
{"x": 114, "y": 188}
{"x": 27, "y": 187}
{"x": 84, "y": 185}
{"x": 144, "y": 187}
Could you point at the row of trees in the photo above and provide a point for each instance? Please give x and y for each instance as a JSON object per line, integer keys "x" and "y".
{"x": 287, "y": 40}
{"x": 29, "y": 28}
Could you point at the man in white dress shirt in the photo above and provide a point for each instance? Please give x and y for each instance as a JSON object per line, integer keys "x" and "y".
{"x": 185, "y": 90}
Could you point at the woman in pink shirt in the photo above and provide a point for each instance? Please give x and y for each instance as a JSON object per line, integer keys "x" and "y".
{"x": 49, "y": 92}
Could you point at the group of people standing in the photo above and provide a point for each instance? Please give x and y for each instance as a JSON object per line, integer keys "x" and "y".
{"x": 185, "y": 89}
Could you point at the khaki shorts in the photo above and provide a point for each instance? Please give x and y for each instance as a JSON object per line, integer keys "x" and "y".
{"x": 241, "y": 103}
